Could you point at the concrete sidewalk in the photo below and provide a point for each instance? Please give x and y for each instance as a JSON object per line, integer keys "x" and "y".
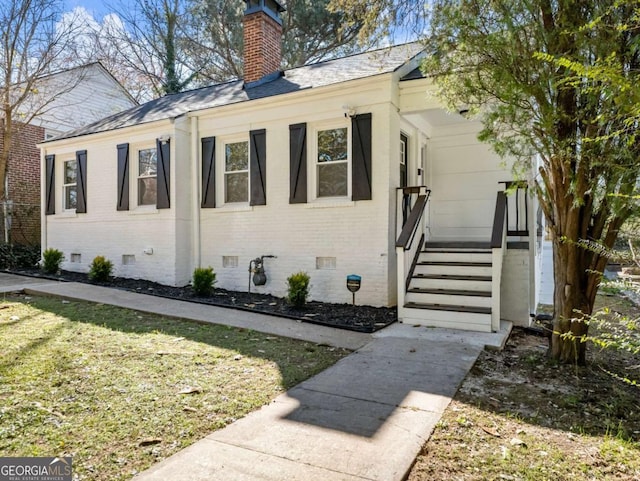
{"x": 187, "y": 310}
{"x": 365, "y": 418}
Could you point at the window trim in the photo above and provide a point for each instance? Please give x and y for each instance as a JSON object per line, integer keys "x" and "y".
{"x": 313, "y": 188}
{"x": 221, "y": 170}
{"x": 136, "y": 178}
{"x": 66, "y": 185}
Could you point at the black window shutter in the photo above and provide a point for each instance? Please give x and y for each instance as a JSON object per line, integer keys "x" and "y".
{"x": 361, "y": 161}
{"x": 258, "y": 167}
{"x": 123, "y": 177}
{"x": 50, "y": 179}
{"x": 164, "y": 175}
{"x": 81, "y": 160}
{"x": 208, "y": 172}
{"x": 298, "y": 163}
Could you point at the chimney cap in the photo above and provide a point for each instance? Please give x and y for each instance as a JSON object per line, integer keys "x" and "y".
{"x": 269, "y": 6}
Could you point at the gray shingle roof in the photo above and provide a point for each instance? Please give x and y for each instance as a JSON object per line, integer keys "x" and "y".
{"x": 415, "y": 74}
{"x": 316, "y": 75}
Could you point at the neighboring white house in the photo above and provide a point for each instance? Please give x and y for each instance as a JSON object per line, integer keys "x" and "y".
{"x": 307, "y": 165}
{"x": 69, "y": 99}
{"x": 63, "y": 101}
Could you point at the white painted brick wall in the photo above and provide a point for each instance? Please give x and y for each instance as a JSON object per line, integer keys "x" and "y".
{"x": 355, "y": 233}
{"x": 105, "y": 231}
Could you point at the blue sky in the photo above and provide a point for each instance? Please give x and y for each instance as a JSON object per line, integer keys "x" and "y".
{"x": 97, "y": 7}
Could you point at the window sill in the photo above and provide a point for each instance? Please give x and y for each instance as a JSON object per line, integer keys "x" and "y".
{"x": 144, "y": 210}
{"x": 67, "y": 214}
{"x": 330, "y": 203}
{"x": 232, "y": 208}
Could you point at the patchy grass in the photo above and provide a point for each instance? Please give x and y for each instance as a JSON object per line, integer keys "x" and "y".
{"x": 119, "y": 390}
{"x": 519, "y": 416}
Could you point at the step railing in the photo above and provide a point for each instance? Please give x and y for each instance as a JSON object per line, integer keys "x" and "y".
{"x": 517, "y": 207}
{"x": 498, "y": 246}
{"x": 407, "y": 247}
{"x": 406, "y": 198}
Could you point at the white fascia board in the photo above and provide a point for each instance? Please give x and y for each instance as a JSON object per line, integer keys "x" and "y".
{"x": 296, "y": 98}
{"x": 158, "y": 127}
{"x": 409, "y": 66}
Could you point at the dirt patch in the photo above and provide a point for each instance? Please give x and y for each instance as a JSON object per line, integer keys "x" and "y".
{"x": 519, "y": 416}
{"x": 343, "y": 316}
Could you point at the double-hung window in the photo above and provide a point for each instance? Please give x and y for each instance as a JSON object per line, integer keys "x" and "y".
{"x": 70, "y": 185}
{"x": 147, "y": 176}
{"x": 337, "y": 158}
{"x": 332, "y": 162}
{"x": 236, "y": 172}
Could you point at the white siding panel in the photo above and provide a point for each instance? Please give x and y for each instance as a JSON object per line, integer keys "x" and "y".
{"x": 466, "y": 156}
{"x": 456, "y": 213}
{"x": 467, "y": 187}
{"x": 82, "y": 96}
{"x": 465, "y": 176}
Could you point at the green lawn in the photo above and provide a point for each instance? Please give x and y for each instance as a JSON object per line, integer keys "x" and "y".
{"x": 119, "y": 390}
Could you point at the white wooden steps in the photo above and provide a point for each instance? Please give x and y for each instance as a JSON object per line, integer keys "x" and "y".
{"x": 451, "y": 287}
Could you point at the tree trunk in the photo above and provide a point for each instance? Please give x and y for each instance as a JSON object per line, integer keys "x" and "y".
{"x": 5, "y": 152}
{"x": 571, "y": 304}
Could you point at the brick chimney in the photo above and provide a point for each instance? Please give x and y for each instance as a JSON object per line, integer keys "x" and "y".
{"x": 262, "y": 39}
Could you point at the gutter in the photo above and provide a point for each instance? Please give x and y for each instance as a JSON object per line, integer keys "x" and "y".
{"x": 196, "y": 183}
{"x": 43, "y": 206}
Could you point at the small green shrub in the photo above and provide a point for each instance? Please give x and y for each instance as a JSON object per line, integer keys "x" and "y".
{"x": 203, "y": 280}
{"x": 19, "y": 256}
{"x": 298, "y": 289}
{"x": 101, "y": 269}
{"x": 51, "y": 260}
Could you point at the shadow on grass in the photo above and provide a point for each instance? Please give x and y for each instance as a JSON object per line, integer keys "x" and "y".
{"x": 358, "y": 397}
{"x": 11, "y": 356}
{"x": 522, "y": 382}
{"x": 294, "y": 364}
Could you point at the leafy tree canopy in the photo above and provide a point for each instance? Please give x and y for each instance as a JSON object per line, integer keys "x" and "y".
{"x": 32, "y": 45}
{"x": 310, "y": 33}
{"x": 553, "y": 82}
{"x": 157, "y": 47}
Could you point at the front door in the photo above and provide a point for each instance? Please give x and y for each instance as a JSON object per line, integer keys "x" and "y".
{"x": 404, "y": 157}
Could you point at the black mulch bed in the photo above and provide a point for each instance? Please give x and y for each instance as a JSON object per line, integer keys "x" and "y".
{"x": 343, "y": 316}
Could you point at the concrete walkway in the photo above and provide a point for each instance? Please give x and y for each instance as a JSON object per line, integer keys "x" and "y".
{"x": 186, "y": 310}
{"x": 365, "y": 418}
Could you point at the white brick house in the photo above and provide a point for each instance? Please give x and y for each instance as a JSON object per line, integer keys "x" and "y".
{"x": 304, "y": 165}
